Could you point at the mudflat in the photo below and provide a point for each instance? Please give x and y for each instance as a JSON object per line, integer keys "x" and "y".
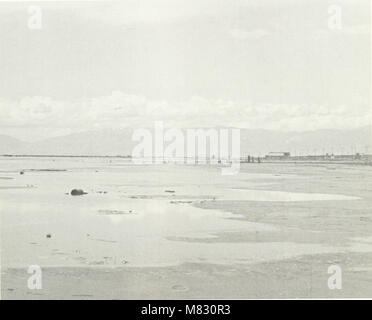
{"x": 178, "y": 231}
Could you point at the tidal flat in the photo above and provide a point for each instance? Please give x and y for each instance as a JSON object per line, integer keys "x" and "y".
{"x": 183, "y": 231}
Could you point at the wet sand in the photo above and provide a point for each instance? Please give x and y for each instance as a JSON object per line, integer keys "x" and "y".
{"x": 304, "y": 277}
{"x": 169, "y": 232}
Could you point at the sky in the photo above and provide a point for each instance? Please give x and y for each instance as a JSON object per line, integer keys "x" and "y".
{"x": 264, "y": 64}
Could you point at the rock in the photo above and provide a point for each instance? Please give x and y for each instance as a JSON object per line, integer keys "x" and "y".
{"x": 48, "y": 235}
{"x": 77, "y": 192}
{"x": 22, "y": 172}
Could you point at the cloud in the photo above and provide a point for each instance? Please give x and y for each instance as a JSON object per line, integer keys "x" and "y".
{"x": 120, "y": 110}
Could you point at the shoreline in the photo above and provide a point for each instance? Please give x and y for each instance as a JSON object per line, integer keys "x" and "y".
{"x": 366, "y": 162}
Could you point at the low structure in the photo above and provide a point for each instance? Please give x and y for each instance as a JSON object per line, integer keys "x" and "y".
{"x": 278, "y": 156}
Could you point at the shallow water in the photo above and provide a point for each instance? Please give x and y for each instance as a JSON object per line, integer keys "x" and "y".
{"x": 134, "y": 215}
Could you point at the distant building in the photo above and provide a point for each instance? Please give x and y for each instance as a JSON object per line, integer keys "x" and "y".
{"x": 278, "y": 156}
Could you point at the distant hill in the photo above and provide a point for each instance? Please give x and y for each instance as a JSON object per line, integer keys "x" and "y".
{"x": 11, "y": 145}
{"x": 254, "y": 142}
{"x": 105, "y": 142}
{"x": 308, "y": 142}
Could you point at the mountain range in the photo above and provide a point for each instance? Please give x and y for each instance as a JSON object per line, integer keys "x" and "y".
{"x": 254, "y": 142}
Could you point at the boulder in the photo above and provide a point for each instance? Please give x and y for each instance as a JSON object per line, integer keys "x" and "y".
{"x": 77, "y": 192}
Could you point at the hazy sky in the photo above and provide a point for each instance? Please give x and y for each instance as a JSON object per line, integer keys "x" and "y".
{"x": 271, "y": 64}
